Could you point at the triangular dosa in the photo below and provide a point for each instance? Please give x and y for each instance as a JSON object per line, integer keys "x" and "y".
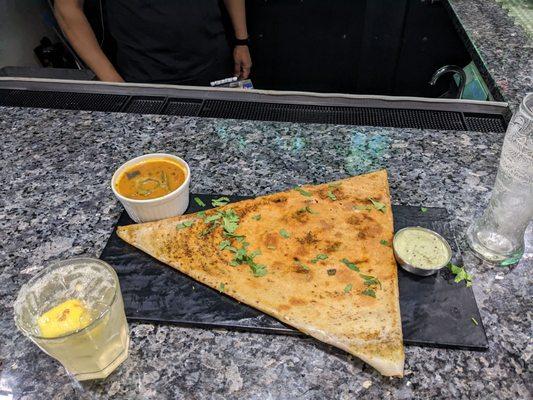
{"x": 325, "y": 251}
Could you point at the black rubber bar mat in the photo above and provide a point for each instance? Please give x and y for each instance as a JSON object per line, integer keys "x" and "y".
{"x": 435, "y": 310}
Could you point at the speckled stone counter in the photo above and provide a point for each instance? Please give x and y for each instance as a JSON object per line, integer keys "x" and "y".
{"x": 502, "y": 50}
{"x": 56, "y": 203}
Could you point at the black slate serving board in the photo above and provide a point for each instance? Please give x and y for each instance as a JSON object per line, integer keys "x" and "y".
{"x": 435, "y": 310}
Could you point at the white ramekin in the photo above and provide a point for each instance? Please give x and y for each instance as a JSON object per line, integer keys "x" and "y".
{"x": 170, "y": 205}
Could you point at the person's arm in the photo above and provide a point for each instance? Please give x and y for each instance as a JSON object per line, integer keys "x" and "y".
{"x": 241, "y": 54}
{"x": 72, "y": 20}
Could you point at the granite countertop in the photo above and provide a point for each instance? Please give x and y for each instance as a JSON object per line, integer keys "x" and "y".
{"x": 501, "y": 48}
{"x": 56, "y": 204}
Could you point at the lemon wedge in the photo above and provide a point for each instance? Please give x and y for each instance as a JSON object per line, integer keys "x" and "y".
{"x": 67, "y": 317}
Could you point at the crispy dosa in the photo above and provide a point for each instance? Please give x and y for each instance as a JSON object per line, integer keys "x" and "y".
{"x": 317, "y": 258}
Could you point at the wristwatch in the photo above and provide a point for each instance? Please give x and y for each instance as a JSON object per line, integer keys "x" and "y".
{"x": 241, "y": 42}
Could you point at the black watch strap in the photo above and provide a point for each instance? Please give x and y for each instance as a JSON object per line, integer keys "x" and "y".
{"x": 241, "y": 42}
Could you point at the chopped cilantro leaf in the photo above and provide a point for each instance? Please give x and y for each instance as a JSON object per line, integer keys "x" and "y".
{"x": 378, "y": 205}
{"x": 370, "y": 280}
{"x": 284, "y": 233}
{"x": 302, "y": 267}
{"x": 201, "y": 214}
{"x": 384, "y": 242}
{"x": 221, "y": 201}
{"x": 224, "y": 244}
{"x": 350, "y": 265}
{"x": 474, "y": 321}
{"x": 230, "y": 221}
{"x": 332, "y": 271}
{"x": 319, "y": 257}
{"x": 331, "y": 195}
{"x": 256, "y": 217}
{"x": 302, "y": 191}
{"x": 255, "y": 253}
{"x": 362, "y": 208}
{"x": 199, "y": 201}
{"x": 233, "y": 235}
{"x": 221, "y": 287}
{"x": 348, "y": 288}
{"x": 184, "y": 224}
{"x": 369, "y": 292}
{"x": 423, "y": 209}
{"x": 306, "y": 209}
{"x": 212, "y": 218}
{"x": 460, "y": 274}
{"x": 258, "y": 269}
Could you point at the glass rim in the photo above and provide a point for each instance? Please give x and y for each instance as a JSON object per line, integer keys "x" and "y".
{"x": 58, "y": 265}
{"x": 528, "y": 108}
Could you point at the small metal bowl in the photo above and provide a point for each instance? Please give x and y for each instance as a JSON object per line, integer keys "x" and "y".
{"x": 416, "y": 270}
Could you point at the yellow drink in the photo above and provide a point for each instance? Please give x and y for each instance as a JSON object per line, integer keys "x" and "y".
{"x": 74, "y": 312}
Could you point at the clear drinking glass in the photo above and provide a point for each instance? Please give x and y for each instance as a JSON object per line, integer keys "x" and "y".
{"x": 73, "y": 310}
{"x": 498, "y": 236}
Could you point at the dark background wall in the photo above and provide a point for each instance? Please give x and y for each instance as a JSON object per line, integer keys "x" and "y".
{"x": 352, "y": 46}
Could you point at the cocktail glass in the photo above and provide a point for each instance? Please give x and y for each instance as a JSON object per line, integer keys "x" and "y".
{"x": 100, "y": 344}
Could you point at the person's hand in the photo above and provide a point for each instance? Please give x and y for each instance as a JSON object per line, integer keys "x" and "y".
{"x": 243, "y": 62}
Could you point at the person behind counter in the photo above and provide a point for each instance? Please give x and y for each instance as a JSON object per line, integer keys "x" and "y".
{"x": 160, "y": 41}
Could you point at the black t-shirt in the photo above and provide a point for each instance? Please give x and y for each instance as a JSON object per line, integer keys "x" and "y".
{"x": 174, "y": 41}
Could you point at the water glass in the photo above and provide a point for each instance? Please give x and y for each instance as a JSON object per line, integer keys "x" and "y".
{"x": 498, "y": 236}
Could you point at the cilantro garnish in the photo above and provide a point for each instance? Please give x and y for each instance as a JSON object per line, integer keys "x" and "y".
{"x": 348, "y": 288}
{"x": 199, "y": 201}
{"x": 370, "y": 280}
{"x": 460, "y": 274}
{"x": 423, "y": 209}
{"x": 362, "y": 208}
{"x": 255, "y": 253}
{"x": 350, "y": 264}
{"x": 230, "y": 221}
{"x": 332, "y": 271}
{"x": 378, "y": 205}
{"x": 256, "y": 217}
{"x": 201, "y": 214}
{"x": 221, "y": 287}
{"x": 306, "y": 209}
{"x": 331, "y": 188}
{"x": 258, "y": 269}
{"x": 224, "y": 244}
{"x": 384, "y": 242}
{"x": 302, "y": 191}
{"x": 302, "y": 267}
{"x": 474, "y": 321}
{"x": 221, "y": 201}
{"x": 319, "y": 257}
{"x": 284, "y": 233}
{"x": 369, "y": 292}
{"x": 184, "y": 224}
{"x": 212, "y": 218}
